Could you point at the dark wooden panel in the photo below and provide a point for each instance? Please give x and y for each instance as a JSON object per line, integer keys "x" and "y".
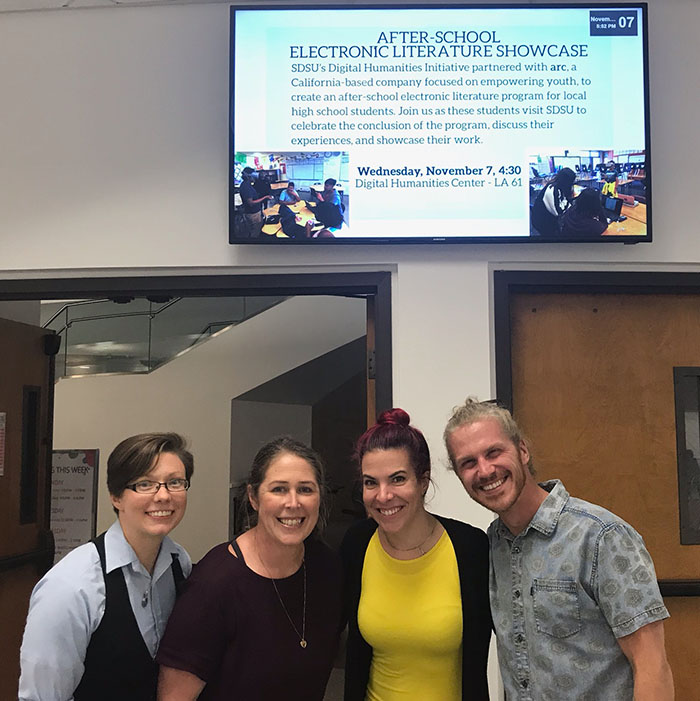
{"x": 25, "y": 544}
{"x": 15, "y": 587}
{"x": 681, "y": 648}
{"x": 23, "y": 365}
{"x": 592, "y": 386}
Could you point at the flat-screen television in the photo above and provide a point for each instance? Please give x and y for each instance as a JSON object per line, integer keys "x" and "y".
{"x": 459, "y": 123}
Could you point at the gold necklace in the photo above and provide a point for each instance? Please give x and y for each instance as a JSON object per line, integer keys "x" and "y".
{"x": 418, "y": 547}
{"x": 302, "y": 635}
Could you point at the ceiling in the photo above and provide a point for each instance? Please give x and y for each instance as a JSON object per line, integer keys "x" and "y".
{"x": 137, "y": 335}
{"x": 29, "y": 5}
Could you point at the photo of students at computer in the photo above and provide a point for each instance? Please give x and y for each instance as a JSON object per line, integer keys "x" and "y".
{"x": 586, "y": 194}
{"x": 296, "y": 195}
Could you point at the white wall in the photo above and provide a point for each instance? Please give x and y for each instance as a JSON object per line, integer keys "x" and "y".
{"x": 192, "y": 395}
{"x": 114, "y": 141}
{"x": 113, "y": 136}
{"x": 28, "y": 312}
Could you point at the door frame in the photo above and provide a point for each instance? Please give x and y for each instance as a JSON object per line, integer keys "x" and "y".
{"x": 42, "y": 555}
{"x": 507, "y": 283}
{"x": 375, "y": 285}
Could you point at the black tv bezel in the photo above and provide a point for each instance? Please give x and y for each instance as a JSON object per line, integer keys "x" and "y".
{"x": 427, "y": 239}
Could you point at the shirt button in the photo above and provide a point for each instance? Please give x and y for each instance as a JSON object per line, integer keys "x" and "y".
{"x": 516, "y": 549}
{"x": 517, "y": 593}
{"x": 519, "y": 638}
{"x": 524, "y": 683}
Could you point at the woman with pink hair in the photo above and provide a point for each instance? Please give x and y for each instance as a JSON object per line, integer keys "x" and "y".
{"x": 416, "y": 583}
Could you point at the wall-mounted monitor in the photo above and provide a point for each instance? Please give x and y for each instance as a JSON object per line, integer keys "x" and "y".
{"x": 573, "y": 162}
{"x": 456, "y": 123}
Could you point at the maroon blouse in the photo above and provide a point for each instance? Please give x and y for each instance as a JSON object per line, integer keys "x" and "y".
{"x": 229, "y": 628}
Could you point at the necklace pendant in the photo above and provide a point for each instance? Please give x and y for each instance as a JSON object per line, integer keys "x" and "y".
{"x": 302, "y": 642}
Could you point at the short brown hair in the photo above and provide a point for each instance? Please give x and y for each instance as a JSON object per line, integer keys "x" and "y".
{"x": 136, "y": 456}
{"x": 472, "y": 411}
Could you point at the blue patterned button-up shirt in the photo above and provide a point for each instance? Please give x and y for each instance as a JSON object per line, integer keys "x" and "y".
{"x": 562, "y": 592}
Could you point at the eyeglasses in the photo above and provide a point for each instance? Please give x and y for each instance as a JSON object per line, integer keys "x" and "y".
{"x": 178, "y": 484}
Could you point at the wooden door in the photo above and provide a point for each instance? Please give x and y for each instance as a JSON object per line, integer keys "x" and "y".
{"x": 26, "y": 546}
{"x": 593, "y": 388}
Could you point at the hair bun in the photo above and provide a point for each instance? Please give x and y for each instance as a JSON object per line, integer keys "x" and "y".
{"x": 394, "y": 416}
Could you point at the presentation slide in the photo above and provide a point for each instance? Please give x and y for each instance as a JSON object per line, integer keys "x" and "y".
{"x": 446, "y": 123}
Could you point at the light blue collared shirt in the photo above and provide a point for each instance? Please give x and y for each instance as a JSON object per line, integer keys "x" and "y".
{"x": 562, "y": 592}
{"x": 286, "y": 197}
{"x": 68, "y": 603}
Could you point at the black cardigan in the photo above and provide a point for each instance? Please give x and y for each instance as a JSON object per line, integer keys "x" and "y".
{"x": 472, "y": 550}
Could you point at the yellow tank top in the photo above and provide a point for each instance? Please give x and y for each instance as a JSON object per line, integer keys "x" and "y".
{"x": 410, "y": 612}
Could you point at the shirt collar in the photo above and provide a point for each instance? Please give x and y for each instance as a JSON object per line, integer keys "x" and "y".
{"x": 547, "y": 516}
{"x": 118, "y": 553}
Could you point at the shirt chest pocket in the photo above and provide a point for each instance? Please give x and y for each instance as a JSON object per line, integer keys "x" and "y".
{"x": 556, "y": 607}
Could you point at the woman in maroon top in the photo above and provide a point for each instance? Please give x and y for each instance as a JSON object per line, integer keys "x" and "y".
{"x": 260, "y": 616}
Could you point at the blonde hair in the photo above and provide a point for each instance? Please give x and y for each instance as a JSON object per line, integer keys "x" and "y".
{"x": 472, "y": 411}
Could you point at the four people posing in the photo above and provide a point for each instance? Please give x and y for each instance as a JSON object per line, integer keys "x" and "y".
{"x": 573, "y": 593}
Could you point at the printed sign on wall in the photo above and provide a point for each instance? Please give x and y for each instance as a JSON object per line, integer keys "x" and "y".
{"x": 73, "y": 498}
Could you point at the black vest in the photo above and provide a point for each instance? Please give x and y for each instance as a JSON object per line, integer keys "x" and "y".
{"x": 118, "y": 665}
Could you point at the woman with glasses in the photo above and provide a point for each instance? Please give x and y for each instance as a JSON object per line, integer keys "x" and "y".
{"x": 96, "y": 618}
{"x": 260, "y": 617}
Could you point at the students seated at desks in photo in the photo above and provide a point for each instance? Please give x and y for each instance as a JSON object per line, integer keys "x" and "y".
{"x": 261, "y": 616}
{"x": 289, "y": 195}
{"x": 552, "y": 200}
{"x": 289, "y": 219}
{"x": 96, "y": 618}
{"x": 329, "y": 194}
{"x": 585, "y": 218}
{"x": 329, "y": 206}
